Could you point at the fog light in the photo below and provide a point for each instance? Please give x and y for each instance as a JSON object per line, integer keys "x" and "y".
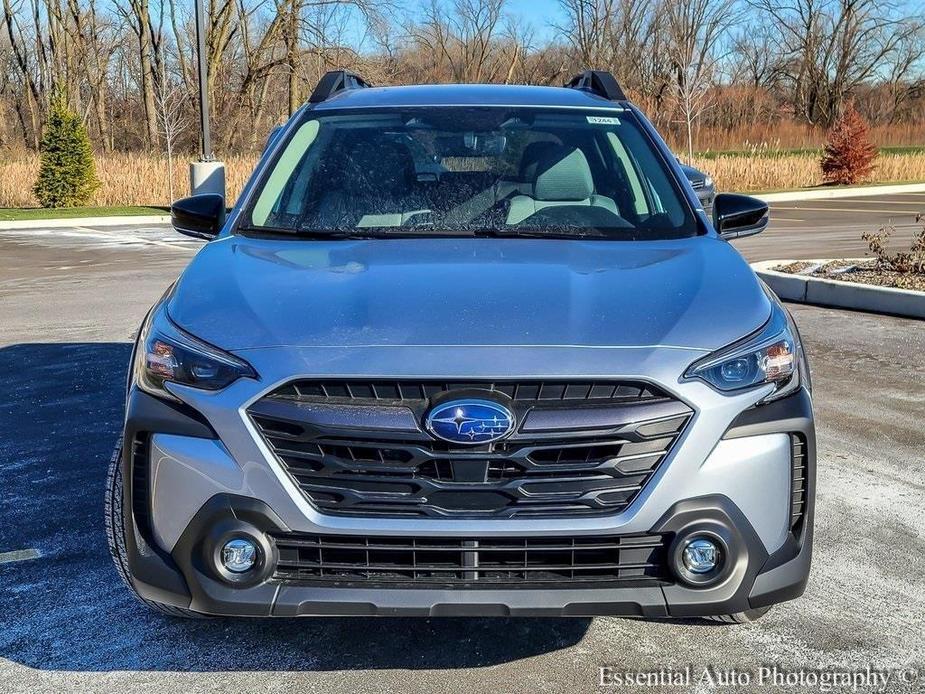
{"x": 239, "y": 555}
{"x": 701, "y": 556}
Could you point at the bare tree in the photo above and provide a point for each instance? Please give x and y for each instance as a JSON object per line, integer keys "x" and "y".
{"x": 589, "y": 28}
{"x": 685, "y": 62}
{"x": 626, "y": 37}
{"x": 102, "y": 39}
{"x": 833, "y": 46}
{"x": 694, "y": 29}
{"x": 138, "y": 17}
{"x": 903, "y": 87}
{"x": 755, "y": 60}
{"x": 462, "y": 39}
{"x": 24, "y": 60}
{"x": 170, "y": 100}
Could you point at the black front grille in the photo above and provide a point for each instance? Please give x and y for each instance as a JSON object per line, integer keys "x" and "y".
{"x": 518, "y": 391}
{"x": 467, "y": 562}
{"x": 578, "y": 451}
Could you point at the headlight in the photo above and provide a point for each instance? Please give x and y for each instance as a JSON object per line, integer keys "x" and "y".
{"x": 770, "y": 355}
{"x": 166, "y": 353}
{"x": 708, "y": 182}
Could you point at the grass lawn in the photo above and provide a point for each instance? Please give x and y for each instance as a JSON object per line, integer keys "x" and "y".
{"x": 9, "y": 214}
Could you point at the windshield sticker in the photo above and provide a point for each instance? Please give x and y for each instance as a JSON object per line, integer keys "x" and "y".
{"x": 603, "y": 120}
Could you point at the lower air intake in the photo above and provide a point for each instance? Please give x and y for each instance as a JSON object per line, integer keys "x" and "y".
{"x": 555, "y": 562}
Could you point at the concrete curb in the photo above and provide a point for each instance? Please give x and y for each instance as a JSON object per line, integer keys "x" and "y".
{"x": 841, "y": 192}
{"x": 850, "y": 295}
{"x": 58, "y": 223}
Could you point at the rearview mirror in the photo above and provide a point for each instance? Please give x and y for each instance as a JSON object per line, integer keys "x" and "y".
{"x": 200, "y": 216}
{"x": 736, "y": 216}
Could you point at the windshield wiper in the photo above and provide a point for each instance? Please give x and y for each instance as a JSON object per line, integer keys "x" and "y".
{"x": 411, "y": 232}
{"x": 537, "y": 234}
{"x": 301, "y": 233}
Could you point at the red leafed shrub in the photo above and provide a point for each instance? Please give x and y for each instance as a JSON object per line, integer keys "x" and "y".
{"x": 849, "y": 155}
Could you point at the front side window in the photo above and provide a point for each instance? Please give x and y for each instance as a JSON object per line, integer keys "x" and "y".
{"x": 471, "y": 171}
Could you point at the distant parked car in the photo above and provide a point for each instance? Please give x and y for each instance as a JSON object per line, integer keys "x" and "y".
{"x": 703, "y": 186}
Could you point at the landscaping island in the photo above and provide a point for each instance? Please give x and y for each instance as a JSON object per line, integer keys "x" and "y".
{"x": 866, "y": 271}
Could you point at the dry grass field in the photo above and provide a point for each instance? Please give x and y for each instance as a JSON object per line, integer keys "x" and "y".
{"x": 786, "y": 171}
{"x": 125, "y": 178}
{"x": 788, "y": 135}
{"x": 141, "y": 179}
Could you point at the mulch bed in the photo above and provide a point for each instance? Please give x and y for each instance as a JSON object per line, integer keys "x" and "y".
{"x": 864, "y": 272}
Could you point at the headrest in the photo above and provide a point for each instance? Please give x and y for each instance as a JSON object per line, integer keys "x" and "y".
{"x": 378, "y": 167}
{"x": 563, "y": 174}
{"x": 531, "y": 157}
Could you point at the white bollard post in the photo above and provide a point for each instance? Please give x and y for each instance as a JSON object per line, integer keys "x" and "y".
{"x": 207, "y": 177}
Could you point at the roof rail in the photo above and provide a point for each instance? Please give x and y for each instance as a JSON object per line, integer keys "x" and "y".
{"x": 336, "y": 81}
{"x": 598, "y": 82}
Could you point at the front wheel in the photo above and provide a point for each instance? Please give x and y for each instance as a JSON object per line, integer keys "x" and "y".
{"x": 115, "y": 534}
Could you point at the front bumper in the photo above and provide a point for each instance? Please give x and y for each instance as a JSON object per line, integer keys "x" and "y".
{"x": 168, "y": 550}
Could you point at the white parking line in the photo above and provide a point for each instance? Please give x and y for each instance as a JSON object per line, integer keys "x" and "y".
{"x": 90, "y": 237}
{"x": 873, "y": 203}
{"x": 124, "y": 239}
{"x": 19, "y": 555}
{"x": 845, "y": 209}
{"x": 874, "y": 198}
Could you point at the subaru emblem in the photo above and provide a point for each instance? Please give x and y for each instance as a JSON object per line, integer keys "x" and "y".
{"x": 470, "y": 421}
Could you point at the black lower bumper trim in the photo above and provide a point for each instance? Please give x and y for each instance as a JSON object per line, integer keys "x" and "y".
{"x": 293, "y": 601}
{"x": 152, "y": 572}
{"x": 745, "y": 587}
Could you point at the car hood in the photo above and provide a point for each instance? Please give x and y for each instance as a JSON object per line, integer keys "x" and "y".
{"x": 244, "y": 293}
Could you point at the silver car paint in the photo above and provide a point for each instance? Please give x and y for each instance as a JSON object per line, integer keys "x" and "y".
{"x": 244, "y": 293}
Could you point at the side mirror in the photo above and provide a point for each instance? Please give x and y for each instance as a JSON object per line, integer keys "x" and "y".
{"x": 200, "y": 216}
{"x": 736, "y": 216}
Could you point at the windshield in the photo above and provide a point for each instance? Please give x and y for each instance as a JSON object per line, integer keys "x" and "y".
{"x": 471, "y": 171}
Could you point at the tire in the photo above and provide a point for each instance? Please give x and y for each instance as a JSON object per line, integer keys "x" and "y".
{"x": 115, "y": 534}
{"x": 741, "y": 617}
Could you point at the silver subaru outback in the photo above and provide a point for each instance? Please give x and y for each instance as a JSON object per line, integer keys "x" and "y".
{"x": 466, "y": 350}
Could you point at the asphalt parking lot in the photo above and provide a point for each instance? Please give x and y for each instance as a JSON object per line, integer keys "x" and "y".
{"x": 69, "y": 304}
{"x": 832, "y": 228}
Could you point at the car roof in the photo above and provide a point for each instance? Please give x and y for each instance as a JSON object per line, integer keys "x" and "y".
{"x": 467, "y": 95}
